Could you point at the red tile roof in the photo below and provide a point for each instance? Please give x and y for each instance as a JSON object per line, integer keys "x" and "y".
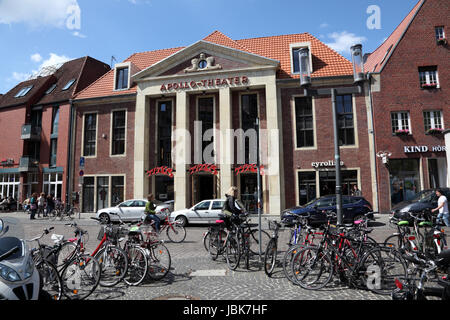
{"x": 377, "y": 59}
{"x": 326, "y": 61}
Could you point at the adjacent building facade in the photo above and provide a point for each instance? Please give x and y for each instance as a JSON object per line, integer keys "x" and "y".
{"x": 411, "y": 104}
{"x": 34, "y": 126}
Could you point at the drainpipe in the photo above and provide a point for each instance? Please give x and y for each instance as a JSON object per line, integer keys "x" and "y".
{"x": 69, "y": 157}
{"x": 369, "y": 76}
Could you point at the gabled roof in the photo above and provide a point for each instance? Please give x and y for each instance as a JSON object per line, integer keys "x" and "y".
{"x": 326, "y": 61}
{"x": 83, "y": 70}
{"x": 377, "y": 60}
{"x": 39, "y": 84}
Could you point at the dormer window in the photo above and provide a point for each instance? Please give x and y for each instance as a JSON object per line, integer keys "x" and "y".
{"x": 68, "y": 85}
{"x": 121, "y": 78}
{"x": 23, "y": 92}
{"x": 295, "y": 49}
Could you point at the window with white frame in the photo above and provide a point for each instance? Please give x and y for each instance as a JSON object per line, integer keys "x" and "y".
{"x": 401, "y": 122}
{"x": 432, "y": 120}
{"x": 440, "y": 33}
{"x": 428, "y": 77}
{"x": 53, "y": 184}
{"x": 9, "y": 185}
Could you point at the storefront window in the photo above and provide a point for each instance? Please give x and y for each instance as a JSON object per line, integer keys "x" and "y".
{"x": 249, "y": 193}
{"x": 404, "y": 179}
{"x": 102, "y": 192}
{"x": 9, "y": 185}
{"x": 53, "y": 184}
{"x": 88, "y": 194}
{"x": 164, "y": 188}
{"x": 117, "y": 190}
{"x": 306, "y": 186}
{"x": 328, "y": 181}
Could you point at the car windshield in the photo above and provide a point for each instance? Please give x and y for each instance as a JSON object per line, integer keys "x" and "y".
{"x": 310, "y": 203}
{"x": 424, "y": 196}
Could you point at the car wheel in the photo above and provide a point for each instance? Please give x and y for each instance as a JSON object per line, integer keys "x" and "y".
{"x": 181, "y": 220}
{"x": 104, "y": 218}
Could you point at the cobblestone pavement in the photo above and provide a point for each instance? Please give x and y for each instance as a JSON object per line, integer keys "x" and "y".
{"x": 194, "y": 275}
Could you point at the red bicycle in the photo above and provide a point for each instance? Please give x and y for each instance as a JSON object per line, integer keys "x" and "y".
{"x": 175, "y": 231}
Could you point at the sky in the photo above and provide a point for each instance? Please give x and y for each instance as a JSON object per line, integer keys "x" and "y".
{"x": 39, "y": 33}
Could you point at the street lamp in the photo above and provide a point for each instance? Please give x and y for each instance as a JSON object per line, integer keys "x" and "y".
{"x": 305, "y": 83}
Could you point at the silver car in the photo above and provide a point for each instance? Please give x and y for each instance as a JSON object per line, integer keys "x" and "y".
{"x": 206, "y": 211}
{"x": 132, "y": 211}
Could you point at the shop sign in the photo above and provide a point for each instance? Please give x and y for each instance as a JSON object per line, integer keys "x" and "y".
{"x": 422, "y": 149}
{"x": 160, "y": 170}
{"x": 206, "y": 167}
{"x": 249, "y": 168}
{"x": 329, "y": 163}
{"x": 205, "y": 83}
{"x": 7, "y": 162}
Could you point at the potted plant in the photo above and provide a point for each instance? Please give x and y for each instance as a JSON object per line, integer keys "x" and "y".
{"x": 434, "y": 131}
{"x": 429, "y": 85}
{"x": 442, "y": 41}
{"x": 401, "y": 132}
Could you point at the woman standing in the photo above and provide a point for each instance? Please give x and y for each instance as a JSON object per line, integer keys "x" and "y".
{"x": 41, "y": 205}
{"x": 33, "y": 205}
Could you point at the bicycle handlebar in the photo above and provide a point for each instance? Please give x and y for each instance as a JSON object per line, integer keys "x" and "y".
{"x": 46, "y": 231}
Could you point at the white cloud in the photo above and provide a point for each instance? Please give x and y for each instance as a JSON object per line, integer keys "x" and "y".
{"x": 36, "y": 57}
{"x": 78, "y": 34}
{"x": 344, "y": 40}
{"x": 324, "y": 25}
{"x": 54, "y": 59}
{"x": 38, "y": 13}
{"x": 19, "y": 76}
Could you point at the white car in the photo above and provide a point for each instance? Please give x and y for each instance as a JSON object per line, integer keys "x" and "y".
{"x": 131, "y": 210}
{"x": 206, "y": 211}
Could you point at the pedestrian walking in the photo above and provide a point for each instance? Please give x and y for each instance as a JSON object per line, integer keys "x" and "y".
{"x": 50, "y": 204}
{"x": 33, "y": 205}
{"x": 442, "y": 207}
{"x": 41, "y": 204}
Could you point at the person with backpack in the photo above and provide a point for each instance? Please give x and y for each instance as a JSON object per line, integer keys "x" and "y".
{"x": 230, "y": 210}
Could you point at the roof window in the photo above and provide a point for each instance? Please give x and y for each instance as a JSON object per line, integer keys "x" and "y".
{"x": 23, "y": 91}
{"x": 68, "y": 85}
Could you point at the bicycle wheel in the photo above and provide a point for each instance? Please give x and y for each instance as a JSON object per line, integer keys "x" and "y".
{"x": 176, "y": 232}
{"x": 288, "y": 258}
{"x": 114, "y": 264}
{"x": 80, "y": 277}
{"x": 51, "y": 281}
{"x": 380, "y": 267}
{"x": 254, "y": 241}
{"x": 270, "y": 257}
{"x": 232, "y": 252}
{"x": 65, "y": 253}
{"x": 52, "y": 214}
{"x": 312, "y": 268}
{"x": 159, "y": 261}
{"x": 137, "y": 265}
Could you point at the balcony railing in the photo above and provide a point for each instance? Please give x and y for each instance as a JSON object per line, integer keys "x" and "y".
{"x": 30, "y": 132}
{"x": 28, "y": 164}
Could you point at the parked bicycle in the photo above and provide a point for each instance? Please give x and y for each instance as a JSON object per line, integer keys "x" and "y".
{"x": 44, "y": 260}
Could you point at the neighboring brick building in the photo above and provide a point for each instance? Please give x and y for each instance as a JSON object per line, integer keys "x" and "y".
{"x": 34, "y": 126}
{"x": 410, "y": 81}
{"x": 140, "y": 106}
